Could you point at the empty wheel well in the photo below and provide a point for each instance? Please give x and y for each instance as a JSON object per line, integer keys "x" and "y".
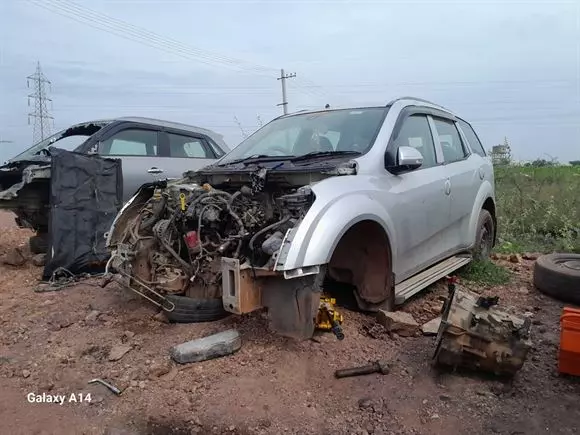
{"x": 363, "y": 259}
{"x": 489, "y": 205}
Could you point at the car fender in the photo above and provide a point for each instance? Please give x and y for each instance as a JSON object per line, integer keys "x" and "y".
{"x": 313, "y": 241}
{"x": 485, "y": 191}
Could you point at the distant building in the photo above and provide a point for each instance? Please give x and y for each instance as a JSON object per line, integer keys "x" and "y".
{"x": 501, "y": 154}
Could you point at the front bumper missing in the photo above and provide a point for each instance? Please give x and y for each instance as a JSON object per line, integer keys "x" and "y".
{"x": 29, "y": 174}
{"x": 292, "y": 303}
{"x": 241, "y": 293}
{"x": 242, "y": 286}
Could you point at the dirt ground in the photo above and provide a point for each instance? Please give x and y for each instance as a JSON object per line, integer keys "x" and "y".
{"x": 55, "y": 342}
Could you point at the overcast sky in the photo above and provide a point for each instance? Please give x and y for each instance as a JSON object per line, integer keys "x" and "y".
{"x": 511, "y": 68}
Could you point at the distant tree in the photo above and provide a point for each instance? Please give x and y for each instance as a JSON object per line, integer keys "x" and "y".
{"x": 575, "y": 162}
{"x": 540, "y": 163}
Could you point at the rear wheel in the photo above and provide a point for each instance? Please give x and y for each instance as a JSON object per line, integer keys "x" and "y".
{"x": 485, "y": 236}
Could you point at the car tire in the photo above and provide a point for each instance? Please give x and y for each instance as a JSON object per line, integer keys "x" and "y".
{"x": 38, "y": 244}
{"x": 191, "y": 310}
{"x": 484, "y": 236}
{"x": 558, "y": 275}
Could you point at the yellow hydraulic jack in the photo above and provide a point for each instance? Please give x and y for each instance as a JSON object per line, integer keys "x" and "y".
{"x": 328, "y": 319}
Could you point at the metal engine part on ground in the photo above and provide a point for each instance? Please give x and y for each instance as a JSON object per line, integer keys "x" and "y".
{"x": 481, "y": 337}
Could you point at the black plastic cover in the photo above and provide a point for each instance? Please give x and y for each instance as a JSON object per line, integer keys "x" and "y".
{"x": 86, "y": 194}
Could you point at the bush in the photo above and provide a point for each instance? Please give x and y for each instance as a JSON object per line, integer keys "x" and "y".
{"x": 538, "y": 208}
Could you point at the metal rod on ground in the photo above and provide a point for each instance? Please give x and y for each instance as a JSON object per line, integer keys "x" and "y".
{"x": 376, "y": 367}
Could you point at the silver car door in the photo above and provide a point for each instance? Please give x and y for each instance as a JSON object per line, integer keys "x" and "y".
{"x": 138, "y": 150}
{"x": 418, "y": 203}
{"x": 481, "y": 161}
{"x": 463, "y": 171}
{"x": 186, "y": 153}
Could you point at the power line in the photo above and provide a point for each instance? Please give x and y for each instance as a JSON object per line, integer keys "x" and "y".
{"x": 129, "y": 31}
{"x": 42, "y": 118}
{"x": 134, "y": 33}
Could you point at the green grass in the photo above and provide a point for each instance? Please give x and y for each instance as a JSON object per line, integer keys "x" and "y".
{"x": 485, "y": 272}
{"x": 538, "y": 208}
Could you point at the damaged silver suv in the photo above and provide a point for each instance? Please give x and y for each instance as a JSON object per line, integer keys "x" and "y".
{"x": 386, "y": 199}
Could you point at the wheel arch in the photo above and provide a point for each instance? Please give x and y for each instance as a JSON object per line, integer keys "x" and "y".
{"x": 485, "y": 200}
{"x": 363, "y": 257}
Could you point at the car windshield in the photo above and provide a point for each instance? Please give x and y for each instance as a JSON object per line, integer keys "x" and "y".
{"x": 68, "y": 139}
{"x": 341, "y": 131}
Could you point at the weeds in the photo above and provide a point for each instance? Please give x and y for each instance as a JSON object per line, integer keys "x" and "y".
{"x": 538, "y": 208}
{"x": 485, "y": 272}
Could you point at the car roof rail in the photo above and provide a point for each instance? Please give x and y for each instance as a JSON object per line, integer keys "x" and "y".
{"x": 419, "y": 99}
{"x": 296, "y": 111}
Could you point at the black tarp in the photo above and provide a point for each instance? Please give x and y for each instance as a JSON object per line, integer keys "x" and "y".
{"x": 85, "y": 196}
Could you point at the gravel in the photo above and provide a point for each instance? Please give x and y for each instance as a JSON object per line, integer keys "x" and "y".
{"x": 272, "y": 385}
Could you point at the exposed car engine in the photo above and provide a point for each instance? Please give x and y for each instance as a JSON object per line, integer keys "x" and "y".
{"x": 175, "y": 241}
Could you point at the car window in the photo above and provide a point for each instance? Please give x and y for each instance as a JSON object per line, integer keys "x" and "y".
{"x": 472, "y": 138}
{"x": 345, "y": 130}
{"x": 188, "y": 147}
{"x": 333, "y": 137}
{"x": 131, "y": 142}
{"x": 70, "y": 143}
{"x": 451, "y": 144}
{"x": 415, "y": 132}
{"x": 281, "y": 142}
{"x": 68, "y": 139}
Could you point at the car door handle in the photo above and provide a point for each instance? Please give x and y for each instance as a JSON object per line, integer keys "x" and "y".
{"x": 447, "y": 187}
{"x": 154, "y": 170}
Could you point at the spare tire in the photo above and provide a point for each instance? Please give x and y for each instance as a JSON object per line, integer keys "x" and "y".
{"x": 190, "y": 310}
{"x": 558, "y": 276}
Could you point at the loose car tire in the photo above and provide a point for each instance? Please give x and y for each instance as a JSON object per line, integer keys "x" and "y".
{"x": 485, "y": 235}
{"x": 38, "y": 244}
{"x": 190, "y": 310}
{"x": 558, "y": 276}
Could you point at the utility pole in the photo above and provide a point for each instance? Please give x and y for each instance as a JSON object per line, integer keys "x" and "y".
{"x": 41, "y": 116}
{"x": 283, "y": 77}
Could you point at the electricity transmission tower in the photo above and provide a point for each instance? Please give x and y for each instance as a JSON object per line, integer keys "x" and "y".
{"x": 42, "y": 119}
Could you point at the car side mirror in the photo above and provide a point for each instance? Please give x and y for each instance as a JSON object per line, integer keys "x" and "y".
{"x": 408, "y": 159}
